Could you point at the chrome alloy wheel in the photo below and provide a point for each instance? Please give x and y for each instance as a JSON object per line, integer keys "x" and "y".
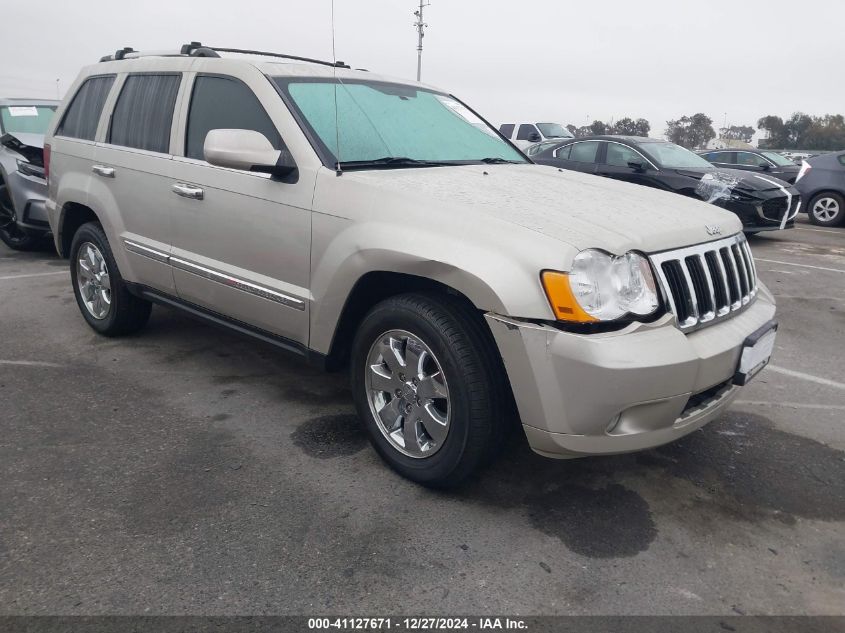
{"x": 825, "y": 209}
{"x": 408, "y": 394}
{"x": 92, "y": 279}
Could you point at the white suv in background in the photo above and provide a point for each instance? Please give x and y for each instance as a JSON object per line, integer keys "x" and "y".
{"x": 524, "y": 134}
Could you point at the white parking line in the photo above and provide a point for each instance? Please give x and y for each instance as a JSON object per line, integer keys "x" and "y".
{"x": 801, "y": 228}
{"x": 808, "y": 377}
{"x": 792, "y": 405}
{"x": 28, "y": 363}
{"x": 58, "y": 272}
{"x": 775, "y": 261}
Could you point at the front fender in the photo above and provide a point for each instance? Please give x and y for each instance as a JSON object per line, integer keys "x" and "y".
{"x": 492, "y": 276}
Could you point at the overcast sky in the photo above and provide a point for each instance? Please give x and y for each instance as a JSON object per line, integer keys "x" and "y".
{"x": 550, "y": 60}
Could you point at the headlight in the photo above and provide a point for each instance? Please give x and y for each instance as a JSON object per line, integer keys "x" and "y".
{"x": 602, "y": 287}
{"x": 30, "y": 170}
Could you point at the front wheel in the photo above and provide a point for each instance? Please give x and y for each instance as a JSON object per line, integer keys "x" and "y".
{"x": 102, "y": 295}
{"x": 430, "y": 387}
{"x": 827, "y": 209}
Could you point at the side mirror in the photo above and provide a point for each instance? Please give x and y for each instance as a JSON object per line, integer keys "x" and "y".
{"x": 248, "y": 150}
{"x": 765, "y": 167}
{"x": 637, "y": 165}
{"x": 534, "y": 137}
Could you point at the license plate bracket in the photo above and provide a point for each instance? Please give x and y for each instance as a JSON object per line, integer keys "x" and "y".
{"x": 756, "y": 353}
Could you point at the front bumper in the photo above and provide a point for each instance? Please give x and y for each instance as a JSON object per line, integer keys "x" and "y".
{"x": 644, "y": 386}
{"x": 771, "y": 212}
{"x": 28, "y": 194}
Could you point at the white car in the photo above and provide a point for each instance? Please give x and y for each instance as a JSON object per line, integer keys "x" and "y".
{"x": 524, "y": 134}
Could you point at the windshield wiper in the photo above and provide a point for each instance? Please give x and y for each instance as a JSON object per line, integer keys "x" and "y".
{"x": 389, "y": 162}
{"x": 500, "y": 161}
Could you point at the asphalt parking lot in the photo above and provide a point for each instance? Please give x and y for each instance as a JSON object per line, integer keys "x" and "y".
{"x": 186, "y": 470}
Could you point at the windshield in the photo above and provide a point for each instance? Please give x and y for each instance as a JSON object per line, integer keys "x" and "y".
{"x": 378, "y": 120}
{"x": 777, "y": 159}
{"x": 25, "y": 119}
{"x": 554, "y": 130}
{"x": 671, "y": 156}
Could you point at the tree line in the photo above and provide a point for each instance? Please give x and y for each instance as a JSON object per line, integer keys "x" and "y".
{"x": 800, "y": 131}
{"x": 622, "y": 127}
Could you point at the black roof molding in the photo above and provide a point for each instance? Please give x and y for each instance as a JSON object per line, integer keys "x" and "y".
{"x": 196, "y": 49}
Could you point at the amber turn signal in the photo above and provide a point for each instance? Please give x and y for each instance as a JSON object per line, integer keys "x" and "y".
{"x": 563, "y": 302}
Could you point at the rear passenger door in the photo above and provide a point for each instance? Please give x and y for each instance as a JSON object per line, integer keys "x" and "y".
{"x": 579, "y": 156}
{"x": 131, "y": 177}
{"x": 241, "y": 245}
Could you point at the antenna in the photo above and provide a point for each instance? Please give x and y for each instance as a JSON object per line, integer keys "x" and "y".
{"x": 421, "y": 26}
{"x": 338, "y": 170}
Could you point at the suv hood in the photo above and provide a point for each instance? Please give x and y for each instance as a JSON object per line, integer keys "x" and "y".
{"x": 581, "y": 210}
{"x": 30, "y": 146}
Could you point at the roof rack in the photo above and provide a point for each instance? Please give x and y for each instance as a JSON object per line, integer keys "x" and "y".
{"x": 196, "y": 49}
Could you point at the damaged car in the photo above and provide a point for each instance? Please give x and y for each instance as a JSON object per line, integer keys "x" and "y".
{"x": 382, "y": 227}
{"x": 23, "y": 183}
{"x": 762, "y": 202}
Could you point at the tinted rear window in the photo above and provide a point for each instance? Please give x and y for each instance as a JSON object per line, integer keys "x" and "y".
{"x": 83, "y": 114}
{"x": 584, "y": 152}
{"x": 221, "y": 103}
{"x": 144, "y": 112}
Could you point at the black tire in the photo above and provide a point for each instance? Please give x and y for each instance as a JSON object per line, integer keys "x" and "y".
{"x": 830, "y": 200}
{"x": 11, "y": 234}
{"x": 480, "y": 400}
{"x": 127, "y": 313}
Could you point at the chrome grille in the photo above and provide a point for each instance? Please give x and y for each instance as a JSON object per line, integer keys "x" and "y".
{"x": 705, "y": 283}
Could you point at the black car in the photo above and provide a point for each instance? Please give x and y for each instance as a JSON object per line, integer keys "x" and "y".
{"x": 822, "y": 183}
{"x": 760, "y": 161}
{"x": 762, "y": 202}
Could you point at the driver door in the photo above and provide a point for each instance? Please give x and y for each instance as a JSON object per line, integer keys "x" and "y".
{"x": 241, "y": 240}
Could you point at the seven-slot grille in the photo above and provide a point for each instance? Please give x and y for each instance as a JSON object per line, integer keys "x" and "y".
{"x": 707, "y": 282}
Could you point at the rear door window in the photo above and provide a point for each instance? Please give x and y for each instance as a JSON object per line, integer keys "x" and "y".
{"x": 584, "y": 152}
{"x": 83, "y": 114}
{"x": 225, "y": 103}
{"x": 563, "y": 152}
{"x": 144, "y": 112}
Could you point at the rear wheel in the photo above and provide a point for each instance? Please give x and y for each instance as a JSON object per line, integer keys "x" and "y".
{"x": 827, "y": 209}
{"x": 11, "y": 234}
{"x": 429, "y": 386}
{"x": 102, "y": 295}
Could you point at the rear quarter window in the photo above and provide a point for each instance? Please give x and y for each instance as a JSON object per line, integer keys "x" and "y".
{"x": 83, "y": 114}
{"x": 144, "y": 112}
{"x": 841, "y": 159}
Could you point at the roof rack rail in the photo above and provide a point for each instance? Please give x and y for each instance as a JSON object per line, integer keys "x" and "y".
{"x": 337, "y": 64}
{"x": 196, "y": 49}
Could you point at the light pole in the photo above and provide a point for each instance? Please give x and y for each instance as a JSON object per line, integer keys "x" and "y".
{"x": 57, "y": 90}
{"x": 421, "y": 25}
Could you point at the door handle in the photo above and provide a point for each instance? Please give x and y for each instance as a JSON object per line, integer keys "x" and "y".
{"x": 187, "y": 191}
{"x": 102, "y": 170}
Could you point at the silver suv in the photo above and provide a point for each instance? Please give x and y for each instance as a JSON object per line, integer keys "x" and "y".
{"x": 381, "y": 225}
